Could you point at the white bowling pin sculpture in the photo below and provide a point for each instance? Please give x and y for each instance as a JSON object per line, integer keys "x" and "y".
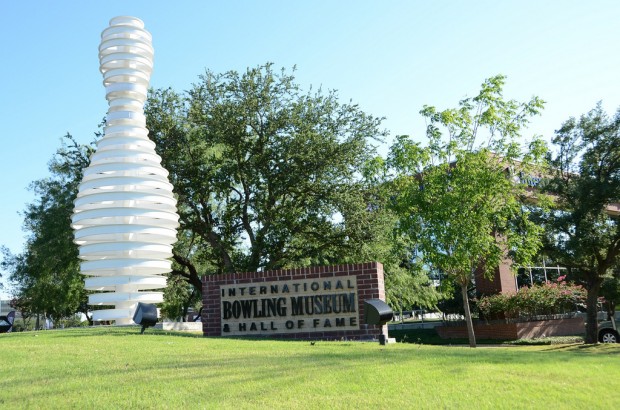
{"x": 125, "y": 216}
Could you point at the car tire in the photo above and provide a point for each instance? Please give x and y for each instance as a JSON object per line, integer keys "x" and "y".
{"x": 608, "y": 336}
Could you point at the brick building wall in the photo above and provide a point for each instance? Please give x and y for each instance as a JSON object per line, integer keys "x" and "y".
{"x": 514, "y": 331}
{"x": 502, "y": 281}
{"x": 370, "y": 285}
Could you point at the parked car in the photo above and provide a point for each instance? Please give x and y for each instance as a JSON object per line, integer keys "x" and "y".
{"x": 608, "y": 332}
{"x": 607, "y": 329}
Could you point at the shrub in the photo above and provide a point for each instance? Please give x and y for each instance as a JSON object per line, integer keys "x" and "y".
{"x": 529, "y": 303}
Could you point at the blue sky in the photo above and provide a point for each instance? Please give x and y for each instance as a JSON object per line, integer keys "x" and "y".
{"x": 390, "y": 57}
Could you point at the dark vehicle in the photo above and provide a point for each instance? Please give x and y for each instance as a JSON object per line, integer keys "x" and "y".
{"x": 608, "y": 332}
{"x": 607, "y": 329}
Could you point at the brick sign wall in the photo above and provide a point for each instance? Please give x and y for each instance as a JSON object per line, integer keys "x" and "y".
{"x": 325, "y": 302}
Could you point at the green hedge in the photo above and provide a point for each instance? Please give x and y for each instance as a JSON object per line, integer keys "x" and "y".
{"x": 532, "y": 302}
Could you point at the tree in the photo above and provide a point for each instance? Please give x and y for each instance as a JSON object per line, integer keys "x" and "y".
{"x": 583, "y": 232}
{"x": 407, "y": 281}
{"x": 610, "y": 291}
{"x": 454, "y": 196}
{"x": 46, "y": 275}
{"x": 179, "y": 296}
{"x": 268, "y": 176}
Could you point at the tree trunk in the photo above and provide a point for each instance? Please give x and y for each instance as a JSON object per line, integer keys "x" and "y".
{"x": 592, "y": 310}
{"x": 611, "y": 309}
{"x": 192, "y": 276}
{"x": 186, "y": 305}
{"x": 470, "y": 325}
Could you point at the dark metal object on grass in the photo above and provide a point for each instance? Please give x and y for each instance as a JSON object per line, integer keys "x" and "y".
{"x": 146, "y": 315}
{"x": 377, "y": 312}
{"x": 6, "y": 322}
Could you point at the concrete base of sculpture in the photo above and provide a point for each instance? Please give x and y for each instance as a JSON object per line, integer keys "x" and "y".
{"x": 181, "y": 326}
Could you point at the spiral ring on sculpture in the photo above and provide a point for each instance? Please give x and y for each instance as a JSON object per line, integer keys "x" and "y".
{"x": 125, "y": 216}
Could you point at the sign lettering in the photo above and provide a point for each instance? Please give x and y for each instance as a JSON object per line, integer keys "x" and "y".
{"x": 290, "y": 306}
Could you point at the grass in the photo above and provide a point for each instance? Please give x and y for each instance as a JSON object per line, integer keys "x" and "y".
{"x": 116, "y": 368}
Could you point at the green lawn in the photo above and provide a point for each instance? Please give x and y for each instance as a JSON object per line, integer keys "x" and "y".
{"x": 116, "y": 368}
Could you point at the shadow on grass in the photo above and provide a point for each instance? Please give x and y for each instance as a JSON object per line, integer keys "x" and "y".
{"x": 604, "y": 349}
{"x": 98, "y": 331}
{"x": 430, "y": 337}
{"x": 421, "y": 337}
